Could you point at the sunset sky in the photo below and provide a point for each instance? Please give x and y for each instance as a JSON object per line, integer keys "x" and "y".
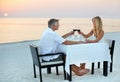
{"x": 60, "y": 8}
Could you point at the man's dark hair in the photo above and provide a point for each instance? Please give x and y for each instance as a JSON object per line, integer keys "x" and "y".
{"x": 52, "y": 22}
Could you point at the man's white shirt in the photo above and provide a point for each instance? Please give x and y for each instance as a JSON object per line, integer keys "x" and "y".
{"x": 49, "y": 43}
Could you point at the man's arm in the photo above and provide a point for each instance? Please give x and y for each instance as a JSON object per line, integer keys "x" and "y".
{"x": 68, "y": 34}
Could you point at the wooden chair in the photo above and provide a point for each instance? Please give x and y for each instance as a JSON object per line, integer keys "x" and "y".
{"x": 37, "y": 61}
{"x": 111, "y": 48}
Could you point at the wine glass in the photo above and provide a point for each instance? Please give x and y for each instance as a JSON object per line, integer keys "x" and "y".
{"x": 76, "y": 30}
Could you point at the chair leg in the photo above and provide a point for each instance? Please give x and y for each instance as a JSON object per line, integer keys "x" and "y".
{"x": 40, "y": 73}
{"x": 98, "y": 64}
{"x": 92, "y": 72}
{"x": 64, "y": 72}
{"x": 111, "y": 65}
{"x": 69, "y": 76}
{"x": 49, "y": 70}
{"x": 105, "y": 68}
{"x": 57, "y": 70}
{"x": 34, "y": 70}
{"x": 70, "y": 73}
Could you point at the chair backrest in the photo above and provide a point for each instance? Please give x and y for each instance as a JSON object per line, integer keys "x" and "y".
{"x": 34, "y": 53}
{"x": 112, "y": 49}
{"x": 111, "y": 46}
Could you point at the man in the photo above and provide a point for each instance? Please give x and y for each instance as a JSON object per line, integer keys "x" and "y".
{"x": 50, "y": 41}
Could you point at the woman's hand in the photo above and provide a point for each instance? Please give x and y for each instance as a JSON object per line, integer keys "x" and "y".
{"x": 89, "y": 41}
{"x": 79, "y": 32}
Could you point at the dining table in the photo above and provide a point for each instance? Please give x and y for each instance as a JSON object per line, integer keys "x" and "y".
{"x": 85, "y": 53}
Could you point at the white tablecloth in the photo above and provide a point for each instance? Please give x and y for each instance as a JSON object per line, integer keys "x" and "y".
{"x": 86, "y": 53}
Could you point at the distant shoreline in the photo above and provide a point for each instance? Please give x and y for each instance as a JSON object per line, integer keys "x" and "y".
{"x": 38, "y": 40}
{"x": 22, "y": 29}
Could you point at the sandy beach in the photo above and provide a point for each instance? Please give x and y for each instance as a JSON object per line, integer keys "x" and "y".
{"x": 22, "y": 23}
{"x": 16, "y": 65}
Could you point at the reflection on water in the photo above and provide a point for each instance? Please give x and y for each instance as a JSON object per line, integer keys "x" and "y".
{"x": 20, "y": 29}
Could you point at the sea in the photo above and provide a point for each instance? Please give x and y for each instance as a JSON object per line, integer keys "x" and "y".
{"x": 25, "y": 29}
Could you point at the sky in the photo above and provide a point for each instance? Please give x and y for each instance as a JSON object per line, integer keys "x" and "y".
{"x": 60, "y": 8}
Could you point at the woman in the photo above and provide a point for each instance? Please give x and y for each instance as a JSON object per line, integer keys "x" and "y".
{"x": 97, "y": 33}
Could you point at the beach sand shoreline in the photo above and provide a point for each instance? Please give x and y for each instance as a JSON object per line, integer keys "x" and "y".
{"x": 16, "y": 65}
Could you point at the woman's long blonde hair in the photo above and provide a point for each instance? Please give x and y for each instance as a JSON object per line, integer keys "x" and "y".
{"x": 98, "y": 24}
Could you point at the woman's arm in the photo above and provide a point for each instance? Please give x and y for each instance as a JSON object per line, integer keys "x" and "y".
{"x": 99, "y": 37}
{"x": 86, "y": 35}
